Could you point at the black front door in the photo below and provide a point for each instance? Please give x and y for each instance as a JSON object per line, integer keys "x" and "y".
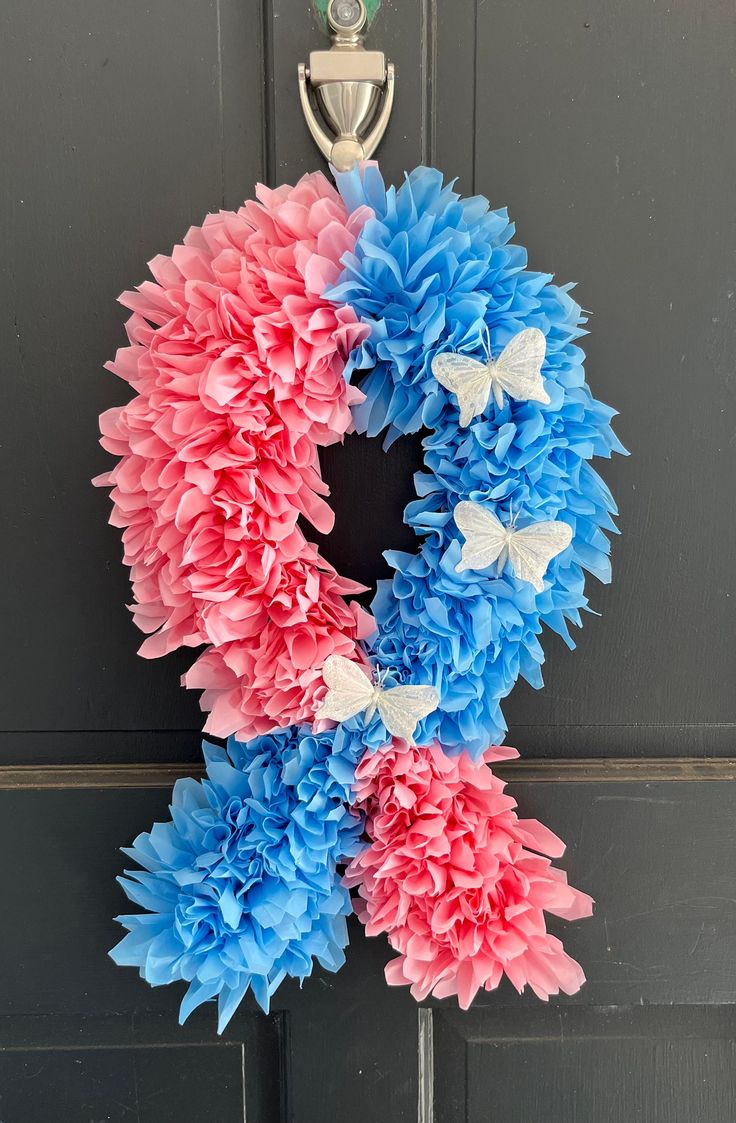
{"x": 608, "y": 131}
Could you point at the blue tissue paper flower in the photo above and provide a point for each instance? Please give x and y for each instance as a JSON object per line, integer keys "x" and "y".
{"x": 432, "y": 272}
{"x": 241, "y": 887}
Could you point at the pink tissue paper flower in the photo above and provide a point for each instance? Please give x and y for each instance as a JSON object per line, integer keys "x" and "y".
{"x": 456, "y": 880}
{"x": 237, "y": 366}
{"x": 271, "y": 675}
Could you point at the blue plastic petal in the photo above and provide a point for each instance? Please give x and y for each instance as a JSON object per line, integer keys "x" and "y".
{"x": 433, "y": 272}
{"x": 243, "y": 886}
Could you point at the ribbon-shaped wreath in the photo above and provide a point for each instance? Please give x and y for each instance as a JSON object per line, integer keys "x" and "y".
{"x": 357, "y": 744}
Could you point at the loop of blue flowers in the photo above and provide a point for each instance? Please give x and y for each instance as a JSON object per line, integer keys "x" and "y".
{"x": 433, "y": 272}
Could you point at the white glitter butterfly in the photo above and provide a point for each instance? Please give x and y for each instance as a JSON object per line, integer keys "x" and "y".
{"x": 351, "y": 692}
{"x": 516, "y": 372}
{"x": 529, "y": 550}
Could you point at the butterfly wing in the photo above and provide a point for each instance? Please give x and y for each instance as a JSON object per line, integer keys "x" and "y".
{"x": 402, "y": 707}
{"x": 517, "y": 371}
{"x": 532, "y": 549}
{"x": 485, "y": 536}
{"x": 468, "y": 379}
{"x": 349, "y": 692}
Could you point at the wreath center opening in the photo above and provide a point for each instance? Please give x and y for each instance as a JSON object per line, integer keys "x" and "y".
{"x": 369, "y": 490}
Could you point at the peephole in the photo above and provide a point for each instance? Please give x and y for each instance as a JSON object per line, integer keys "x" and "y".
{"x": 347, "y": 16}
{"x": 346, "y": 92}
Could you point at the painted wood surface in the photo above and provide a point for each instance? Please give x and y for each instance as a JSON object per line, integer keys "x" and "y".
{"x": 608, "y": 131}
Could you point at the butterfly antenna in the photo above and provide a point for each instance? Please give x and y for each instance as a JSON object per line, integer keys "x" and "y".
{"x": 489, "y": 353}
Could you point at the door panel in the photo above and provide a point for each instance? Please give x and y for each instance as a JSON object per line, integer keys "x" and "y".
{"x": 124, "y": 125}
{"x": 594, "y": 1063}
{"x": 662, "y": 936}
{"x": 607, "y": 132}
{"x": 185, "y": 109}
{"x": 161, "y": 1083}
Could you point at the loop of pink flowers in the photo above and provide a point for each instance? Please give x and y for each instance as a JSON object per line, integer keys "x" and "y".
{"x": 237, "y": 365}
{"x": 457, "y": 882}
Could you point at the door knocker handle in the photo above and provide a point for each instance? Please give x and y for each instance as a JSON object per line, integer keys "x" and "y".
{"x": 347, "y": 92}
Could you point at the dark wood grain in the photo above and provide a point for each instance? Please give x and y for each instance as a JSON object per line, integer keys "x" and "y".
{"x": 143, "y": 119}
{"x": 124, "y": 124}
{"x": 25, "y": 777}
{"x": 555, "y": 1065}
{"x": 166, "y": 1083}
{"x": 661, "y": 936}
{"x": 141, "y": 1064}
{"x": 604, "y": 129}
{"x": 608, "y": 131}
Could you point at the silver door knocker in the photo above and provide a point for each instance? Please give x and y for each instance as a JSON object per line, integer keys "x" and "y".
{"x": 349, "y": 88}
